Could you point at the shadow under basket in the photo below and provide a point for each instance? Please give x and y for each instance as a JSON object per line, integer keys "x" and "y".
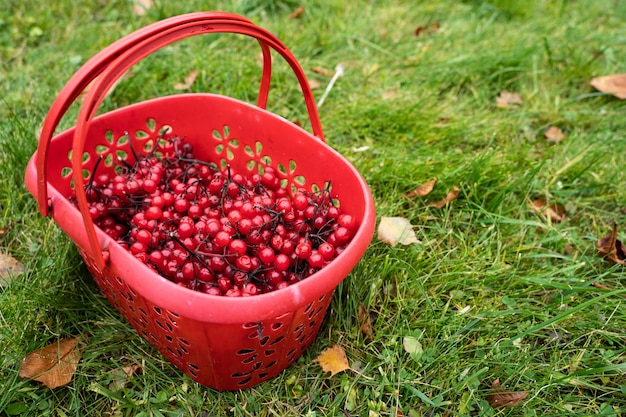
{"x": 221, "y": 342}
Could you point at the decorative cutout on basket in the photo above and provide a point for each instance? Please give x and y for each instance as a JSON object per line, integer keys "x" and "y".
{"x": 121, "y": 147}
{"x": 288, "y": 334}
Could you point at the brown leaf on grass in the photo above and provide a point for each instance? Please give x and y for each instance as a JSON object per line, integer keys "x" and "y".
{"x": 394, "y": 230}
{"x": 323, "y": 72}
{"x": 611, "y": 84}
{"x": 508, "y": 100}
{"x": 53, "y": 365}
{"x": 451, "y": 196}
{"x": 120, "y": 376}
{"x": 604, "y": 287}
{"x": 333, "y": 360}
{"x": 365, "y": 322}
{"x": 188, "y": 82}
{"x": 141, "y": 7}
{"x": 427, "y": 29}
{"x": 4, "y": 231}
{"x": 611, "y": 248}
{"x": 423, "y": 190}
{"x": 9, "y": 268}
{"x": 554, "y": 134}
{"x": 297, "y": 13}
{"x": 551, "y": 212}
{"x": 501, "y": 398}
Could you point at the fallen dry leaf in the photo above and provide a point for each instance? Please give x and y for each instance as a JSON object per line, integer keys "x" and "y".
{"x": 120, "y": 376}
{"x": 323, "y": 72}
{"x": 188, "y": 82}
{"x": 314, "y": 84}
{"x": 296, "y": 14}
{"x": 365, "y": 322}
{"x": 508, "y": 100}
{"x": 554, "y": 134}
{"x": 390, "y": 95}
{"x": 604, "y": 287}
{"x": 413, "y": 346}
{"x": 501, "y": 398}
{"x": 551, "y": 212}
{"x": 423, "y": 189}
{"x": 4, "y": 231}
{"x": 611, "y": 248}
{"x": 394, "y": 230}
{"x": 451, "y": 196}
{"x": 333, "y": 360}
{"x": 53, "y": 365}
{"x": 611, "y": 84}
{"x": 141, "y": 7}
{"x": 427, "y": 29}
{"x": 9, "y": 268}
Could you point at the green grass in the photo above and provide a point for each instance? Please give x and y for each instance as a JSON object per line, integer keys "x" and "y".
{"x": 493, "y": 291}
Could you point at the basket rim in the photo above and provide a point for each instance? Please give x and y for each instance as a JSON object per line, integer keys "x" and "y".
{"x": 204, "y": 307}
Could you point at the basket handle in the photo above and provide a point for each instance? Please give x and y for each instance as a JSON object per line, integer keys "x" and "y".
{"x": 144, "y": 48}
{"x": 94, "y": 67}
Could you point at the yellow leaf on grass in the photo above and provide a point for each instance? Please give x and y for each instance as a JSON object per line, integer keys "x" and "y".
{"x": 394, "y": 230}
{"x": 611, "y": 84}
{"x": 333, "y": 360}
{"x": 189, "y": 80}
{"x": 53, "y": 365}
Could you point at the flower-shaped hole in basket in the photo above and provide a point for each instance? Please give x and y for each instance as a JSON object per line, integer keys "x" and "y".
{"x": 113, "y": 151}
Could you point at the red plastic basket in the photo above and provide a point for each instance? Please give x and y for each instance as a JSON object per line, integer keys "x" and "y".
{"x": 221, "y": 342}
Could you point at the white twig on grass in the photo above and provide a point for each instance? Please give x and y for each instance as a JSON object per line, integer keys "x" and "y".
{"x": 338, "y": 73}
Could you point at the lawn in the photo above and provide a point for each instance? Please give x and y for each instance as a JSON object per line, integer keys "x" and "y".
{"x": 493, "y": 291}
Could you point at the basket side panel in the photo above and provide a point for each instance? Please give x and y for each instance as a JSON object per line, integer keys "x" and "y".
{"x": 222, "y": 356}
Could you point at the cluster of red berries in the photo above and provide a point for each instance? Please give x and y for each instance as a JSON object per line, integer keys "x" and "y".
{"x": 216, "y": 231}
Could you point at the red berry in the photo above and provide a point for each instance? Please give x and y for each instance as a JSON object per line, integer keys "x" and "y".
{"x": 300, "y": 201}
{"x": 342, "y": 234}
{"x": 303, "y": 250}
{"x": 237, "y": 247}
{"x": 144, "y": 236}
{"x": 327, "y": 251}
{"x": 266, "y": 255}
{"x": 222, "y": 239}
{"x": 138, "y": 247}
{"x": 243, "y": 262}
{"x": 347, "y": 221}
{"x": 316, "y": 260}
{"x": 181, "y": 205}
{"x": 281, "y": 262}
